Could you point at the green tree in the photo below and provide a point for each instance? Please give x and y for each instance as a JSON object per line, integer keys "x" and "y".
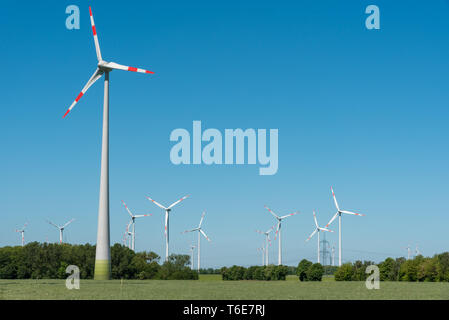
{"x": 344, "y": 272}
{"x": 301, "y": 270}
{"x": 315, "y": 272}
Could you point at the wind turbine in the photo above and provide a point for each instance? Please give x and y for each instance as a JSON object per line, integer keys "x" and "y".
{"x": 417, "y": 253}
{"x": 103, "y": 252}
{"x": 409, "y": 251}
{"x": 22, "y": 231}
{"x": 61, "y": 228}
{"x": 318, "y": 229}
{"x": 200, "y": 232}
{"x": 167, "y": 212}
{"x": 267, "y": 240}
{"x": 339, "y": 212}
{"x": 133, "y": 222}
{"x": 278, "y": 230}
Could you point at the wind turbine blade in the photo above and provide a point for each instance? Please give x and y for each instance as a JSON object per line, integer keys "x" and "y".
{"x": 274, "y": 214}
{"x": 196, "y": 229}
{"x": 158, "y": 204}
{"x": 176, "y": 202}
{"x": 97, "y": 45}
{"x": 325, "y": 229}
{"x": 68, "y": 223}
{"x": 349, "y": 212}
{"x": 314, "y": 218}
{"x": 142, "y": 215}
{"x": 117, "y": 66}
{"x": 126, "y": 207}
{"x": 332, "y": 220}
{"x": 277, "y": 230}
{"x": 204, "y": 234}
{"x": 97, "y": 75}
{"x": 313, "y": 233}
{"x": 52, "y": 223}
{"x": 335, "y": 199}
{"x": 202, "y": 218}
{"x": 291, "y": 214}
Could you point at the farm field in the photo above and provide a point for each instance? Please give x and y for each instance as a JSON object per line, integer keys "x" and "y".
{"x": 211, "y": 287}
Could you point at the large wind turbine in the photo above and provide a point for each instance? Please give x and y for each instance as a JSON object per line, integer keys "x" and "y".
{"x": 339, "y": 212}
{"x": 200, "y": 232}
{"x": 167, "y": 212}
{"x": 318, "y": 229}
{"x": 133, "y": 223}
{"x": 278, "y": 230}
{"x": 267, "y": 241}
{"x": 103, "y": 254}
{"x": 61, "y": 228}
{"x": 22, "y": 232}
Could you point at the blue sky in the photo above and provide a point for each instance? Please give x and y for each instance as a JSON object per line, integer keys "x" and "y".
{"x": 365, "y": 111}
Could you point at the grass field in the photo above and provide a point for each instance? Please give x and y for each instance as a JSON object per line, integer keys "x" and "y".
{"x": 211, "y": 287}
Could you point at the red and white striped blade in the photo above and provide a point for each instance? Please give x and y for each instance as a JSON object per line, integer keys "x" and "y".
{"x": 97, "y": 75}
{"x": 335, "y": 199}
{"x": 325, "y": 229}
{"x": 277, "y": 230}
{"x": 117, "y": 66}
{"x": 126, "y": 207}
{"x": 204, "y": 234}
{"x": 313, "y": 233}
{"x": 156, "y": 203}
{"x": 166, "y": 222}
{"x": 332, "y": 219}
{"x": 349, "y": 212}
{"x": 176, "y": 202}
{"x": 142, "y": 215}
{"x": 314, "y": 218}
{"x": 94, "y": 31}
{"x": 271, "y": 211}
{"x": 202, "y": 218}
{"x": 291, "y": 214}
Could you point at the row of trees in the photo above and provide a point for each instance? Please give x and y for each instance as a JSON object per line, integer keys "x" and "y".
{"x": 49, "y": 261}
{"x": 270, "y": 272}
{"x": 432, "y": 269}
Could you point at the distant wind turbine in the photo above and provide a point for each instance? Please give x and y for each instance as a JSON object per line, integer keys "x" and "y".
{"x": 200, "y": 232}
{"x": 167, "y": 212}
{"x": 318, "y": 229}
{"x": 278, "y": 230}
{"x": 338, "y": 214}
{"x": 267, "y": 242}
{"x": 22, "y": 232}
{"x": 133, "y": 223}
{"x": 61, "y": 228}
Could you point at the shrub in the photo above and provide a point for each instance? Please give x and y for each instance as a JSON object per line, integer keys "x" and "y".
{"x": 315, "y": 272}
{"x": 301, "y": 270}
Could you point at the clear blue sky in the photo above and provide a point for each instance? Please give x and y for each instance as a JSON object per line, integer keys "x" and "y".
{"x": 363, "y": 110}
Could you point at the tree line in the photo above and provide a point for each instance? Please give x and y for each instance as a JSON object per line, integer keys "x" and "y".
{"x": 429, "y": 269}
{"x": 49, "y": 261}
{"x": 267, "y": 273}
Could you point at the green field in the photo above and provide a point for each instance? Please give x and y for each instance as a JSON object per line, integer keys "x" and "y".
{"x": 211, "y": 287}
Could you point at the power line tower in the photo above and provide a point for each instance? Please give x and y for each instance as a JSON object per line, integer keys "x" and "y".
{"x": 325, "y": 254}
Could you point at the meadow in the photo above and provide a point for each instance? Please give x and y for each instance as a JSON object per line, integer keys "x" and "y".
{"x": 211, "y": 287}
